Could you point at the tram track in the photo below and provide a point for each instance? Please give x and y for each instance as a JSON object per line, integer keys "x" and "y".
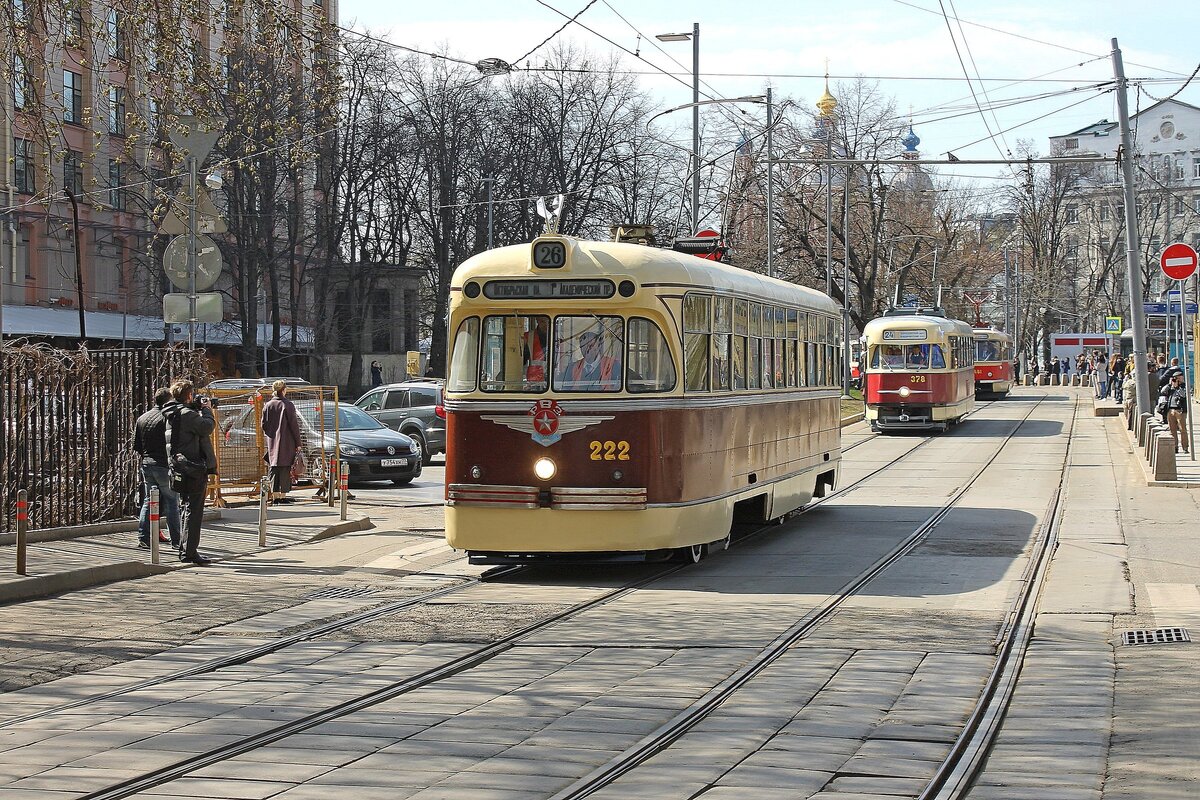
{"x": 452, "y": 667}
{"x": 662, "y": 738}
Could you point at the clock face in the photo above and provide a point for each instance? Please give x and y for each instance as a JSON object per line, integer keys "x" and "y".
{"x": 1166, "y": 130}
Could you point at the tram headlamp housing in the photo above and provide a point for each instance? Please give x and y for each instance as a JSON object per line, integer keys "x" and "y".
{"x": 471, "y": 290}
{"x": 476, "y": 472}
{"x": 544, "y": 468}
{"x": 904, "y": 391}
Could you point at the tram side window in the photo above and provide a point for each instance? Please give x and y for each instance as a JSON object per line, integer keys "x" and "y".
{"x": 587, "y": 353}
{"x": 754, "y": 348}
{"x": 768, "y": 360}
{"x": 464, "y": 363}
{"x": 722, "y": 325}
{"x": 801, "y": 359}
{"x": 738, "y": 360}
{"x": 514, "y": 353}
{"x": 649, "y": 367}
{"x": 697, "y": 325}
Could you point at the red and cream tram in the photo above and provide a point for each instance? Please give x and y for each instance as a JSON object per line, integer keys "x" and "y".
{"x": 993, "y": 362}
{"x": 609, "y": 400}
{"x": 919, "y": 370}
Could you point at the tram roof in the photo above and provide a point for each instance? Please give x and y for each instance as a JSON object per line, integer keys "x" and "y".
{"x": 649, "y": 266}
{"x": 942, "y": 326}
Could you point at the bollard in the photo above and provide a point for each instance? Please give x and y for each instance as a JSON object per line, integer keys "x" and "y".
{"x": 344, "y": 486}
{"x": 22, "y": 529}
{"x": 263, "y": 489}
{"x": 154, "y": 525}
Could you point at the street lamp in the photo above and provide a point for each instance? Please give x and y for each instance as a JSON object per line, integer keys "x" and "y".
{"x": 695, "y": 37}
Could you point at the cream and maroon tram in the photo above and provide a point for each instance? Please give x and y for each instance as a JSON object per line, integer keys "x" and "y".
{"x": 993, "y": 362}
{"x": 609, "y": 400}
{"x": 919, "y": 370}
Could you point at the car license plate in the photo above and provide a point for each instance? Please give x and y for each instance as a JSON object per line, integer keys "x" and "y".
{"x": 393, "y": 462}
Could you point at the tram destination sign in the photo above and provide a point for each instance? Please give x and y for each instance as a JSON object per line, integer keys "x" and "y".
{"x": 549, "y": 290}
{"x": 907, "y": 335}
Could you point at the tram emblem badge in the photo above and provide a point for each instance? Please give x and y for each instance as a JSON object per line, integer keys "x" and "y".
{"x": 546, "y": 422}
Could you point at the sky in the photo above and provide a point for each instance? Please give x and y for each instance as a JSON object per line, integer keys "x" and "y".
{"x": 906, "y": 44}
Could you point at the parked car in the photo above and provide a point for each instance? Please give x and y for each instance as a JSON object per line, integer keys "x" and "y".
{"x": 373, "y": 451}
{"x": 413, "y": 408}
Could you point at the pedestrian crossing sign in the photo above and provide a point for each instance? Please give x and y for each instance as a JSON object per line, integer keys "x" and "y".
{"x": 1112, "y": 325}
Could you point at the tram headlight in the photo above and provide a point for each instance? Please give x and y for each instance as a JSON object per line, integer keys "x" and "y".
{"x": 904, "y": 391}
{"x": 544, "y": 468}
{"x": 476, "y": 472}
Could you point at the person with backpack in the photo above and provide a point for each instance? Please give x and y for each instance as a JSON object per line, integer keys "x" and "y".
{"x": 190, "y": 423}
{"x": 1175, "y": 399}
{"x": 150, "y": 442}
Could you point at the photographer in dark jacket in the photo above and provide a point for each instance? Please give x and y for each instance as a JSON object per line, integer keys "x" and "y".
{"x": 191, "y": 424}
{"x": 150, "y": 441}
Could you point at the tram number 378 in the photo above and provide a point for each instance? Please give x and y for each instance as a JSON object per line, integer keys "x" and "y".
{"x": 916, "y": 378}
{"x": 609, "y": 451}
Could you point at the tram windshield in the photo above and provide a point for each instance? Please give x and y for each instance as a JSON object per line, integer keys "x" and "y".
{"x": 587, "y": 353}
{"x": 986, "y": 350}
{"x": 514, "y": 353}
{"x": 908, "y": 356}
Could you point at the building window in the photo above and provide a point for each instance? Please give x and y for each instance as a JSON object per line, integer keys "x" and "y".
{"x": 1179, "y": 169}
{"x": 1070, "y": 144}
{"x": 116, "y": 111}
{"x": 1179, "y": 206}
{"x": 116, "y": 185}
{"x": 1072, "y": 249}
{"x": 73, "y": 172}
{"x": 114, "y": 29}
{"x": 72, "y": 97}
{"x": 22, "y": 166}
{"x": 76, "y": 34}
{"x": 1072, "y": 213}
{"x": 1196, "y": 167}
{"x": 1104, "y": 212}
{"x": 1156, "y": 208}
{"x": 22, "y": 86}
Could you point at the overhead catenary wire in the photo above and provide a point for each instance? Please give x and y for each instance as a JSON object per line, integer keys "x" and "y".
{"x": 970, "y": 85}
{"x": 975, "y": 68}
{"x": 561, "y": 28}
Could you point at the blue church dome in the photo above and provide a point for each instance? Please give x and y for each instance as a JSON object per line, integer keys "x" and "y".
{"x": 911, "y": 140}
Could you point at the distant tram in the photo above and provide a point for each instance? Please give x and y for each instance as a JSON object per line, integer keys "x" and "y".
{"x": 919, "y": 370}
{"x": 993, "y": 362}
{"x": 610, "y": 401}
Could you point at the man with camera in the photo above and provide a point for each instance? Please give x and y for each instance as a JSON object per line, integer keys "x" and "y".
{"x": 190, "y": 422}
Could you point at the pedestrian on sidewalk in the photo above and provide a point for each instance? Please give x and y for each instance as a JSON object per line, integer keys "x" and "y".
{"x": 1170, "y": 372}
{"x": 1175, "y": 397}
{"x": 1116, "y": 370}
{"x": 190, "y": 424}
{"x": 376, "y": 374}
{"x": 150, "y": 442}
{"x": 281, "y": 426}
{"x": 1100, "y": 370}
{"x": 1066, "y": 370}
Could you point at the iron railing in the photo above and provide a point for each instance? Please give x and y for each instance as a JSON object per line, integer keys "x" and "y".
{"x": 67, "y": 420}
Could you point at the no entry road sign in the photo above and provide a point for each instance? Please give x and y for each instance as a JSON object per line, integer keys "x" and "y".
{"x": 1178, "y": 261}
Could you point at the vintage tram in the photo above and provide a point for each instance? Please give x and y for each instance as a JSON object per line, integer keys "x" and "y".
{"x": 612, "y": 401}
{"x": 919, "y": 371}
{"x": 993, "y": 362}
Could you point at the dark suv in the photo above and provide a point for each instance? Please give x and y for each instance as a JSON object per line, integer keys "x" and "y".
{"x": 413, "y": 408}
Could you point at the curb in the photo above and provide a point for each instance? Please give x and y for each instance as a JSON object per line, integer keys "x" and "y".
{"x": 59, "y": 582}
{"x": 40, "y": 586}
{"x": 853, "y": 418}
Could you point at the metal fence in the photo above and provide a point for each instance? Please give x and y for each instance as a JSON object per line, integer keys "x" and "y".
{"x": 68, "y": 418}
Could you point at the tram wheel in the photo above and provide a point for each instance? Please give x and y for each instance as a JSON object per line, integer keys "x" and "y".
{"x": 692, "y": 555}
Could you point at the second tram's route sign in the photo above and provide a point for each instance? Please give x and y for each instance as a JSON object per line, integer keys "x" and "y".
{"x": 549, "y": 254}
{"x": 905, "y": 335}
{"x": 549, "y": 290}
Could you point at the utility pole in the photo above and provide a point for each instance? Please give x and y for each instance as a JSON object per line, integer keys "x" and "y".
{"x": 770, "y": 187}
{"x": 1137, "y": 315}
{"x": 828, "y": 229}
{"x": 695, "y": 127}
{"x": 846, "y": 287}
{"x": 191, "y": 259}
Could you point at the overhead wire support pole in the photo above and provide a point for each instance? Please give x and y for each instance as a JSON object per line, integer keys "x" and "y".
{"x": 1137, "y": 312}
{"x": 191, "y": 259}
{"x": 770, "y": 187}
{"x": 695, "y": 128}
{"x": 846, "y": 288}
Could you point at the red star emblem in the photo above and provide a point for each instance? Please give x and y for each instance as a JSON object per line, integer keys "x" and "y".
{"x": 545, "y": 421}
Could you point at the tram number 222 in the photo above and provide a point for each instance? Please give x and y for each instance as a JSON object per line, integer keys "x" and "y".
{"x": 609, "y": 451}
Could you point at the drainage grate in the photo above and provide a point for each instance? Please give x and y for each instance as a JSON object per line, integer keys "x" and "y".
{"x": 1156, "y": 636}
{"x": 339, "y": 592}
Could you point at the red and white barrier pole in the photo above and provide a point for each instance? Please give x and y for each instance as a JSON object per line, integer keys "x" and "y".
{"x": 154, "y": 525}
{"x": 344, "y": 485}
{"x": 22, "y": 529}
